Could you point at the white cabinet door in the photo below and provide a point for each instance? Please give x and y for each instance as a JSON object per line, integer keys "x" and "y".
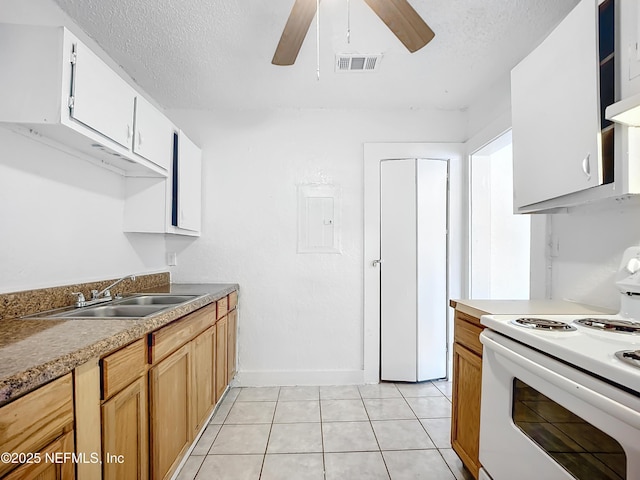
{"x": 153, "y": 138}
{"x": 555, "y": 112}
{"x": 171, "y": 205}
{"x": 101, "y": 99}
{"x": 189, "y": 199}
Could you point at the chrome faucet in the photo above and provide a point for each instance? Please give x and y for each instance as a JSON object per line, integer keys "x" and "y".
{"x": 101, "y": 296}
{"x": 95, "y": 295}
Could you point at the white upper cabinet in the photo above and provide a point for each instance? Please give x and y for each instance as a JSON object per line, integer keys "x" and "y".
{"x": 566, "y": 152}
{"x": 168, "y": 205}
{"x": 100, "y": 99}
{"x": 188, "y": 212}
{"x": 153, "y": 134}
{"x": 54, "y": 88}
{"x": 556, "y": 112}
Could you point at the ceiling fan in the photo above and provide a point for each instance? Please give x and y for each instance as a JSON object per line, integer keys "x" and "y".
{"x": 398, "y": 15}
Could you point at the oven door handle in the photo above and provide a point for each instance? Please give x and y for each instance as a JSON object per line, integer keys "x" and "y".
{"x": 605, "y": 404}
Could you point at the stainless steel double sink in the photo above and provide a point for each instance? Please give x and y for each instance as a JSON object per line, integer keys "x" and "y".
{"x": 137, "y": 306}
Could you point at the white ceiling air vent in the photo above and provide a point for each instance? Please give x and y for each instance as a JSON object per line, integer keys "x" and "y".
{"x": 354, "y": 62}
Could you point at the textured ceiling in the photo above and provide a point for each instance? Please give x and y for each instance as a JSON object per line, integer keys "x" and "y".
{"x": 208, "y": 54}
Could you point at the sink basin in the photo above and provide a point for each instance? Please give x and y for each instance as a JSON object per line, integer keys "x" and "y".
{"x": 137, "y": 306}
{"x": 156, "y": 299}
{"x": 113, "y": 311}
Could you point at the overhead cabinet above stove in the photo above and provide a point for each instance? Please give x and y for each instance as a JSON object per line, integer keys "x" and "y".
{"x": 565, "y": 151}
{"x": 54, "y": 88}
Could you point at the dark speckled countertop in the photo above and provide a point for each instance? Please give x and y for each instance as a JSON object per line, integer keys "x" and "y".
{"x": 35, "y": 351}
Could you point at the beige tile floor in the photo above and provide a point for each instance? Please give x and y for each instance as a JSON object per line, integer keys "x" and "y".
{"x": 386, "y": 431}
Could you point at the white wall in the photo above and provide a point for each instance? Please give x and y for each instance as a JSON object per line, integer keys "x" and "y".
{"x": 489, "y": 110}
{"x": 301, "y": 316}
{"x": 61, "y": 220}
{"x": 60, "y": 216}
{"x": 591, "y": 241}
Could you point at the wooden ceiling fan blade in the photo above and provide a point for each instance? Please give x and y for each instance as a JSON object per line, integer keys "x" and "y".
{"x": 404, "y": 22}
{"x": 294, "y": 32}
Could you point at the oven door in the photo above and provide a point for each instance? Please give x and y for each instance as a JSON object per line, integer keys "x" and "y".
{"x": 541, "y": 418}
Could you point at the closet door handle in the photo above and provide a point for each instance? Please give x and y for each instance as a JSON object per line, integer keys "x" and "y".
{"x": 586, "y": 166}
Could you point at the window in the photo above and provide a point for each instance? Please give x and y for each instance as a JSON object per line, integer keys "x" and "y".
{"x": 499, "y": 240}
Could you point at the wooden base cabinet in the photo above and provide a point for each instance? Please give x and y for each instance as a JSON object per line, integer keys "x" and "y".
{"x": 46, "y": 470}
{"x": 221, "y": 356}
{"x": 170, "y": 412}
{"x": 125, "y": 434}
{"x": 232, "y": 333}
{"x": 124, "y": 412}
{"x": 203, "y": 372}
{"x": 467, "y": 386}
{"x": 40, "y": 422}
{"x": 142, "y": 405}
{"x": 465, "y": 426}
{"x": 185, "y": 385}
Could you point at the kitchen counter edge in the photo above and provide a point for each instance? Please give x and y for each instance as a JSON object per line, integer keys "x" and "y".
{"x": 39, "y": 350}
{"x": 477, "y": 308}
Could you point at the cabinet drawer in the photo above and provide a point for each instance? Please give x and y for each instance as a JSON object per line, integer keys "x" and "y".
{"x": 44, "y": 469}
{"x": 223, "y": 307}
{"x": 122, "y": 367}
{"x": 467, "y": 333}
{"x": 31, "y": 422}
{"x": 173, "y": 336}
{"x": 233, "y": 300}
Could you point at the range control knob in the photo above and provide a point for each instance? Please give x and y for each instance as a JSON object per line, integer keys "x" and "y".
{"x": 633, "y": 265}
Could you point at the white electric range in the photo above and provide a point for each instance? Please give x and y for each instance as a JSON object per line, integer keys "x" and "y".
{"x": 561, "y": 393}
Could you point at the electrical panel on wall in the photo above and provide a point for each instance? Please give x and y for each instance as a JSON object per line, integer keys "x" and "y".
{"x": 319, "y": 208}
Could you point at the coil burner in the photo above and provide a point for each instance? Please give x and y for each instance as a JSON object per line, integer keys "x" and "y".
{"x": 632, "y": 357}
{"x": 610, "y": 325}
{"x": 543, "y": 324}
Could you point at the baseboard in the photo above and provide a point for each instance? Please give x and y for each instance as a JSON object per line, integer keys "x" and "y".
{"x": 261, "y": 378}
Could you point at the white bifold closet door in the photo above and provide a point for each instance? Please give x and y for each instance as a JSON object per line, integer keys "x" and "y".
{"x": 414, "y": 254}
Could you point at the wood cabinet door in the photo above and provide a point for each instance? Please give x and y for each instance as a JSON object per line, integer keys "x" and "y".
{"x": 221, "y": 356}
{"x": 465, "y": 420}
{"x": 125, "y": 436}
{"x": 232, "y": 339}
{"x": 170, "y": 412}
{"x": 203, "y": 374}
{"x": 33, "y": 421}
{"x": 46, "y": 470}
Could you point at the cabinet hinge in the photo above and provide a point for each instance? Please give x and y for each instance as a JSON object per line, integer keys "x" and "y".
{"x": 73, "y": 58}
{"x": 71, "y": 101}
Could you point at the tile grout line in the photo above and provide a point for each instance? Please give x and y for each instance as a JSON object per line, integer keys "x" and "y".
{"x": 423, "y": 427}
{"x": 324, "y": 463}
{"x": 216, "y": 436}
{"x": 374, "y": 433}
{"x": 432, "y": 441}
{"x": 266, "y": 447}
